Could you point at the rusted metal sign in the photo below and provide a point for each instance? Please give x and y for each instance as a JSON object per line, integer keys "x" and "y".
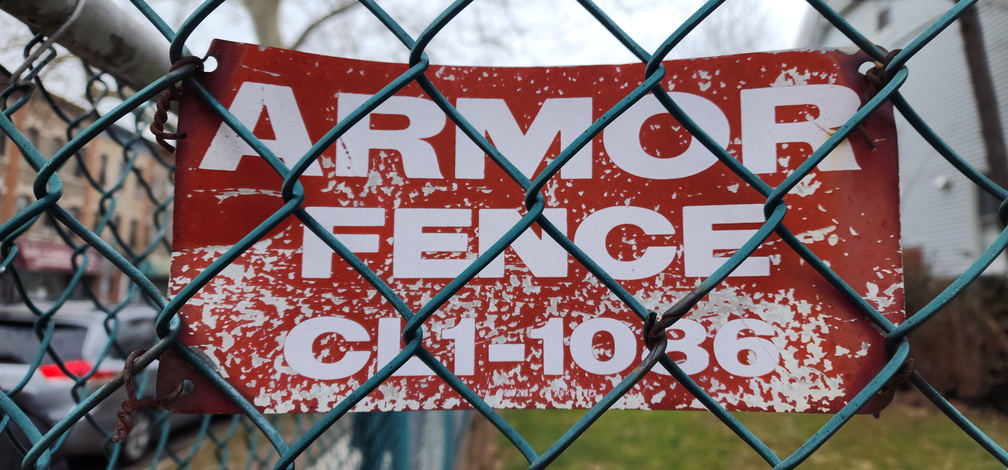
{"x": 295, "y": 329}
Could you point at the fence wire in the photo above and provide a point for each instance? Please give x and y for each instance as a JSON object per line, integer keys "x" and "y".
{"x": 99, "y": 202}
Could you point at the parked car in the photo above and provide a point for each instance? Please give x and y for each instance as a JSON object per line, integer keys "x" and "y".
{"x": 81, "y": 342}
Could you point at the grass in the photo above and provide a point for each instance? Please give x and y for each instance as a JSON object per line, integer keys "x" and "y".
{"x": 905, "y": 437}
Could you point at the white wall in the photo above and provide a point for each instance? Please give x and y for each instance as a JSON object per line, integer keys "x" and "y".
{"x": 939, "y": 205}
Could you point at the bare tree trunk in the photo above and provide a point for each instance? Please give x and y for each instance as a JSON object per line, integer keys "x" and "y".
{"x": 986, "y": 96}
{"x": 266, "y": 21}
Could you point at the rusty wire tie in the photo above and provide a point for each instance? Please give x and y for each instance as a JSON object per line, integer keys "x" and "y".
{"x": 132, "y": 403}
{"x": 901, "y": 377}
{"x": 655, "y": 326}
{"x": 167, "y": 97}
{"x": 876, "y": 82}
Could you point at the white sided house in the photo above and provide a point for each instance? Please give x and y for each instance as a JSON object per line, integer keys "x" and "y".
{"x": 947, "y": 220}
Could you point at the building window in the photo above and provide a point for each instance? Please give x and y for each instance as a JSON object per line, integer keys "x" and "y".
{"x": 102, "y": 169}
{"x": 55, "y": 144}
{"x": 3, "y": 143}
{"x": 75, "y": 212}
{"x": 138, "y": 187}
{"x": 48, "y": 221}
{"x": 883, "y": 17}
{"x": 33, "y": 137}
{"x": 134, "y": 231}
{"x": 78, "y": 164}
{"x": 987, "y": 207}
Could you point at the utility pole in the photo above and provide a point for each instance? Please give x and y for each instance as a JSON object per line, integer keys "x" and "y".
{"x": 986, "y": 96}
{"x": 101, "y": 34}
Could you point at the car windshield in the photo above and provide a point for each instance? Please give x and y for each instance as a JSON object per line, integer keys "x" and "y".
{"x": 19, "y": 344}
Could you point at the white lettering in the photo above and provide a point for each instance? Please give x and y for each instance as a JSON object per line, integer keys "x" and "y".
{"x": 761, "y": 132}
{"x": 292, "y": 142}
{"x": 563, "y": 117}
{"x": 761, "y": 356}
{"x": 622, "y": 138}
{"x": 700, "y": 239}
{"x": 591, "y": 237}
{"x": 463, "y": 334}
{"x": 390, "y": 344}
{"x": 583, "y": 350}
{"x": 552, "y": 336}
{"x": 411, "y": 242}
{"x": 543, "y": 255}
{"x": 316, "y": 256}
{"x": 693, "y": 357}
{"x": 419, "y": 159}
{"x": 299, "y": 346}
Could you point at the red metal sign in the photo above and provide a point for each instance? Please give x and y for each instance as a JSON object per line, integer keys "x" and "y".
{"x": 295, "y": 329}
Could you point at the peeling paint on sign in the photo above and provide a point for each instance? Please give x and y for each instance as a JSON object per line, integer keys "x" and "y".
{"x": 295, "y": 329}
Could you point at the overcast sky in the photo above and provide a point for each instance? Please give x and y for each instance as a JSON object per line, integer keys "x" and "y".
{"x": 489, "y": 32}
{"x": 522, "y": 32}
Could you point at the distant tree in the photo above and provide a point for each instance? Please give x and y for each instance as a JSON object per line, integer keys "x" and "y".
{"x": 265, "y": 16}
{"x": 342, "y": 27}
{"x": 487, "y": 32}
{"x": 737, "y": 26}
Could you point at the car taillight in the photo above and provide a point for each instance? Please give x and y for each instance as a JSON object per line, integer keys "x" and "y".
{"x": 78, "y": 368}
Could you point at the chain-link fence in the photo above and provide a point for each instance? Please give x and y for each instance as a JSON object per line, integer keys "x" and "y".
{"x": 85, "y": 244}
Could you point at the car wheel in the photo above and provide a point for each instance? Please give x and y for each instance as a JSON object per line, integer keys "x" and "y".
{"x": 139, "y": 440}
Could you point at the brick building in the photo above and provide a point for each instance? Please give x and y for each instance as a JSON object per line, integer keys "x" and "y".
{"x": 137, "y": 179}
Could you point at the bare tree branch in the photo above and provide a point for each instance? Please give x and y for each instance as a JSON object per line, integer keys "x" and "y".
{"x": 339, "y": 10}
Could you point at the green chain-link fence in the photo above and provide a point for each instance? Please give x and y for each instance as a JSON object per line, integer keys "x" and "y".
{"x": 96, "y": 215}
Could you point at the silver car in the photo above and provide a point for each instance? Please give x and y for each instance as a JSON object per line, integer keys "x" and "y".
{"x": 81, "y": 341}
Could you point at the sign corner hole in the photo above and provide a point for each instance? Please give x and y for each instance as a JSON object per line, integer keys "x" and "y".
{"x": 209, "y": 64}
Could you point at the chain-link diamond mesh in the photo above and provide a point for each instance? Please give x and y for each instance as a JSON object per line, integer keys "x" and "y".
{"x": 99, "y": 205}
